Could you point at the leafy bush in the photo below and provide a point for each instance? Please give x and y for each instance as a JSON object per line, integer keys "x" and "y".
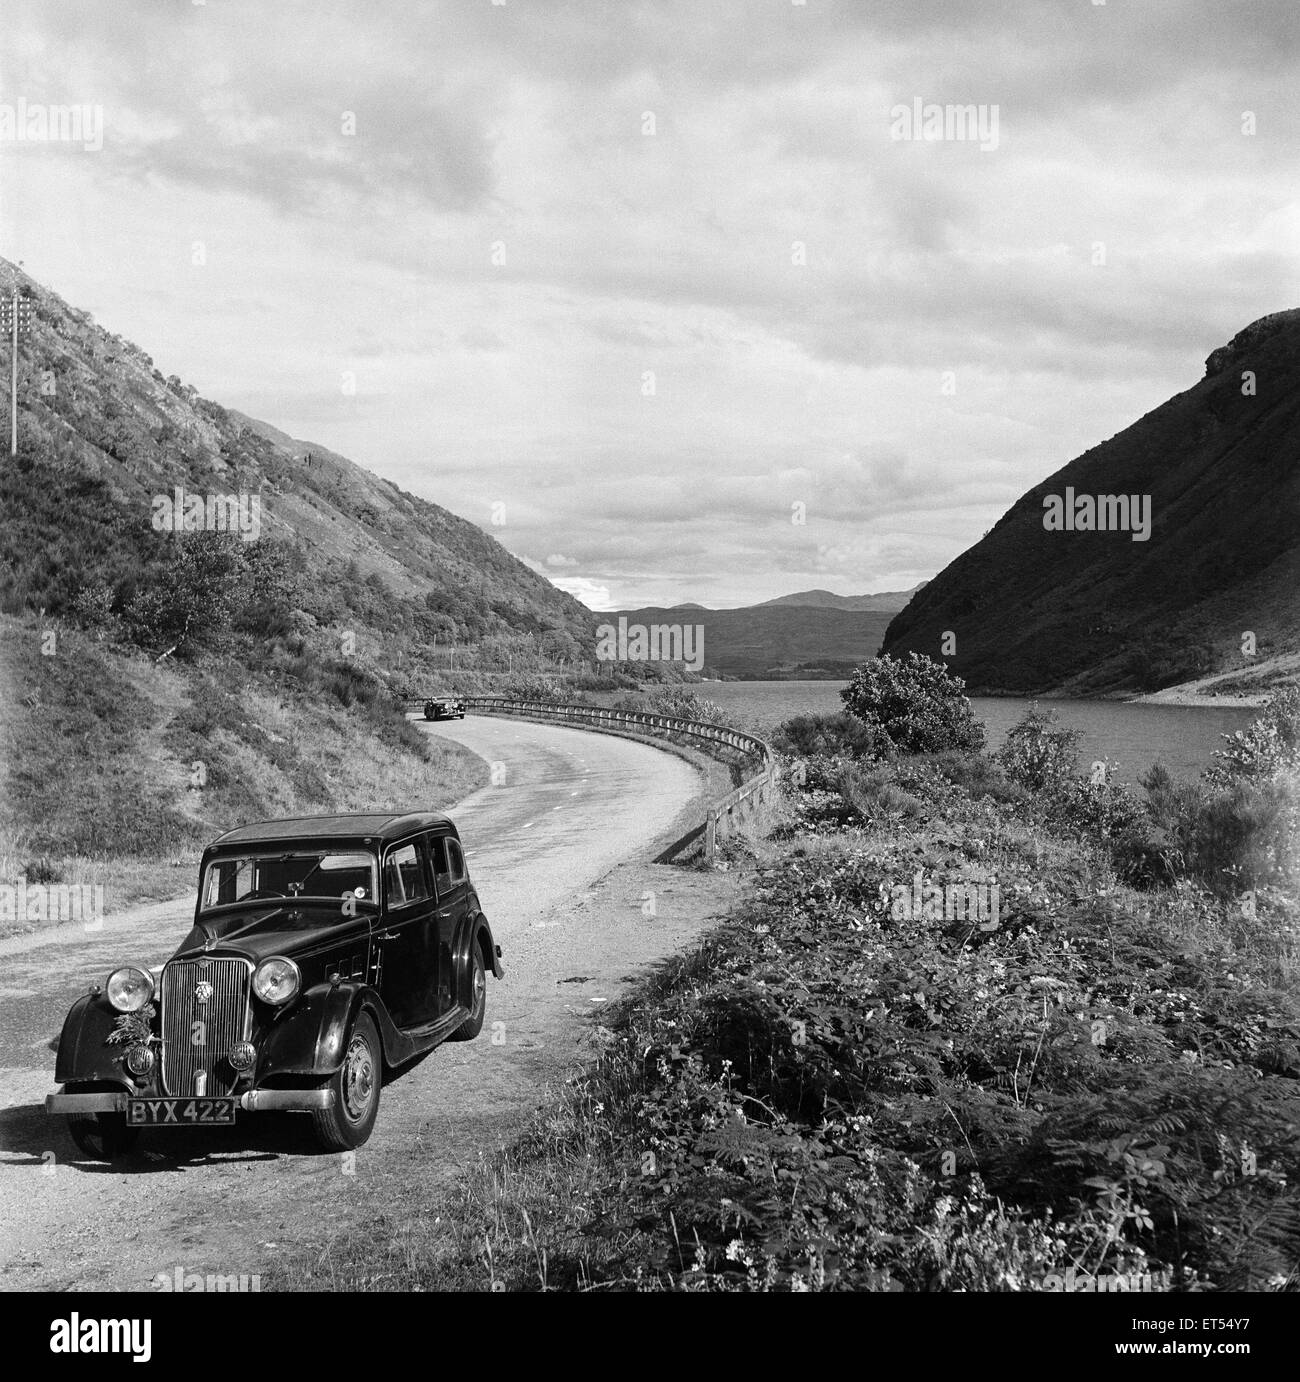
{"x": 976, "y": 774}
{"x": 875, "y": 795}
{"x": 535, "y": 688}
{"x": 1036, "y": 752}
{"x": 1270, "y": 743}
{"x": 916, "y": 702}
{"x": 1229, "y": 837}
{"x": 841, "y": 733}
{"x": 685, "y": 705}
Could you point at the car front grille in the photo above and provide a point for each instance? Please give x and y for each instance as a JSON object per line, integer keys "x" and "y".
{"x": 199, "y": 1032}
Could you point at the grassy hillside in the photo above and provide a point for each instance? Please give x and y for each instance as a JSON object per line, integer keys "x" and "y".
{"x": 117, "y": 770}
{"x": 97, "y": 418}
{"x": 1083, "y": 612}
{"x": 158, "y": 686}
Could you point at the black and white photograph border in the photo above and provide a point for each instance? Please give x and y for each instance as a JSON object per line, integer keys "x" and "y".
{"x": 651, "y": 648}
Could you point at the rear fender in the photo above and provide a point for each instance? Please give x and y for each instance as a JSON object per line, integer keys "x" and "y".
{"x": 475, "y": 934}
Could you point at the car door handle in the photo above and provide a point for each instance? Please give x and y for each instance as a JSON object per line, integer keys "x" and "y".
{"x": 388, "y": 936}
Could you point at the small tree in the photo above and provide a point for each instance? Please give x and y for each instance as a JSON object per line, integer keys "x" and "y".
{"x": 916, "y": 702}
{"x": 192, "y": 598}
{"x": 1267, "y": 745}
{"x": 1037, "y": 753}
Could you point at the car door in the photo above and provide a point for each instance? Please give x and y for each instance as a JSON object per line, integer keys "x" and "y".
{"x": 408, "y": 933}
{"x": 452, "y": 882}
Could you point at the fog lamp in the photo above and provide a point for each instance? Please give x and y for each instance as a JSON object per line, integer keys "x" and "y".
{"x": 139, "y": 1061}
{"x": 243, "y": 1056}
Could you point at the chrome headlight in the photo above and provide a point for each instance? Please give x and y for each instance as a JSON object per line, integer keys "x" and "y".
{"x": 276, "y": 980}
{"x": 129, "y": 989}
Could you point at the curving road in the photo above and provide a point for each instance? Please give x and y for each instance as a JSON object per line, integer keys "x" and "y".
{"x": 565, "y": 808}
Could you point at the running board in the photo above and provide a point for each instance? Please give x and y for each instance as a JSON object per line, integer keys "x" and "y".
{"x": 401, "y": 1047}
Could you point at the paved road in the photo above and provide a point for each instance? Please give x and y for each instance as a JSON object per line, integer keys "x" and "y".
{"x": 566, "y": 806}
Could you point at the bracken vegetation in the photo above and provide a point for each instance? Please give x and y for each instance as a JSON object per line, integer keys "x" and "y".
{"x": 860, "y": 1082}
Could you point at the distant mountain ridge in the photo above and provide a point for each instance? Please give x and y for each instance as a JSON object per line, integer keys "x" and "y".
{"x": 1211, "y": 591}
{"x": 887, "y": 601}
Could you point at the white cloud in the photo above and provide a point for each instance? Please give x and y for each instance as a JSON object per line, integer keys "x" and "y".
{"x": 508, "y": 262}
{"x": 592, "y": 594}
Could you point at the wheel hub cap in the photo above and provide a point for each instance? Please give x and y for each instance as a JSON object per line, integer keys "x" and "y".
{"x": 358, "y": 1079}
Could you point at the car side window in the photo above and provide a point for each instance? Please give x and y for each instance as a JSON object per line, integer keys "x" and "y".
{"x": 441, "y": 863}
{"x": 404, "y": 876}
{"x": 458, "y": 874}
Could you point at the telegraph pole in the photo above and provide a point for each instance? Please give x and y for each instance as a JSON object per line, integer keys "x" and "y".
{"x": 15, "y": 318}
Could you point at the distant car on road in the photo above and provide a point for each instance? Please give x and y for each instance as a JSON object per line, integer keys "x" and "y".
{"x": 326, "y": 953}
{"x": 444, "y": 708}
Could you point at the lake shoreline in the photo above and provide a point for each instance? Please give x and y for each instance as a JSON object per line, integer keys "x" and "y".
{"x": 1130, "y": 735}
{"x": 1172, "y": 695}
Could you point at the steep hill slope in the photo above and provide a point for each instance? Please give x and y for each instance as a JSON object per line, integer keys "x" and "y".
{"x": 1086, "y": 612}
{"x": 158, "y": 686}
{"x": 93, "y": 407}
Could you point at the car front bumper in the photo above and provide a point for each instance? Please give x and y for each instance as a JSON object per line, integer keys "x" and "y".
{"x": 252, "y": 1101}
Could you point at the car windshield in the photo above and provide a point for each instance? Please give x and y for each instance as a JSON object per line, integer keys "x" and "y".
{"x": 296, "y": 873}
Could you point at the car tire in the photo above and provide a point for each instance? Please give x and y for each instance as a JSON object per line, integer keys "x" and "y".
{"x": 102, "y": 1136}
{"x": 473, "y": 1024}
{"x": 356, "y": 1084}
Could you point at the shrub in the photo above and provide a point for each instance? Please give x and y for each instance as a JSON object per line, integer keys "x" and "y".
{"x": 92, "y": 607}
{"x": 916, "y": 702}
{"x": 874, "y": 793}
{"x": 1229, "y": 837}
{"x": 810, "y": 736}
{"x": 976, "y": 774}
{"x": 534, "y": 688}
{"x": 1269, "y": 743}
{"x": 1037, "y": 753}
{"x": 686, "y": 705}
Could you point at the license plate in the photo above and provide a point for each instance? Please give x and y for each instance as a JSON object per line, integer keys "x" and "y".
{"x": 179, "y": 1113}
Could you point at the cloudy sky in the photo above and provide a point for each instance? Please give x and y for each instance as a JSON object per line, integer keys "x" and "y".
{"x": 663, "y": 279}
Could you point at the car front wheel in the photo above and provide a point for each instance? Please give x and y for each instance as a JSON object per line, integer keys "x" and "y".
{"x": 356, "y": 1091}
{"x": 102, "y": 1136}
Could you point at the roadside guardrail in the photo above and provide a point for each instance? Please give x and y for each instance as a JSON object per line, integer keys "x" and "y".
{"x": 723, "y": 818}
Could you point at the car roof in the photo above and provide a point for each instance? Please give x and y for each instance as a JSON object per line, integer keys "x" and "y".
{"x": 357, "y": 825}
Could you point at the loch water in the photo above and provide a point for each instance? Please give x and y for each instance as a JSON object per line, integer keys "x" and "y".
{"x": 1128, "y": 736}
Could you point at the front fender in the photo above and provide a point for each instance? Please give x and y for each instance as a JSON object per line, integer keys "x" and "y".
{"x": 311, "y": 1037}
{"x": 84, "y": 1052}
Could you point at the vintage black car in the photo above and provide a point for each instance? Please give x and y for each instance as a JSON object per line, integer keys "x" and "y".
{"x": 444, "y": 708}
{"x": 327, "y": 952}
